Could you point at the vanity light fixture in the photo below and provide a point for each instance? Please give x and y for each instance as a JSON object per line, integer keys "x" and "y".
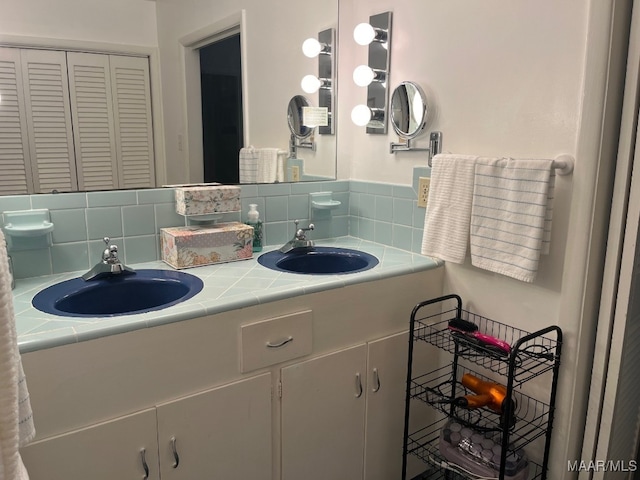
{"x": 362, "y": 116}
{"x": 324, "y": 48}
{"x": 377, "y": 35}
{"x": 364, "y": 75}
{"x": 311, "y": 48}
{"x": 311, "y": 83}
{"x": 365, "y": 33}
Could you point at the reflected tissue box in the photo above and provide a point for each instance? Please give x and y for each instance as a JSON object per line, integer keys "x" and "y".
{"x": 207, "y": 199}
{"x": 185, "y": 247}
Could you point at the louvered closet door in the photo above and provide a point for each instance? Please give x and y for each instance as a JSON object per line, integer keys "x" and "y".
{"x": 46, "y": 92}
{"x": 14, "y": 144}
{"x": 93, "y": 121}
{"x": 134, "y": 128}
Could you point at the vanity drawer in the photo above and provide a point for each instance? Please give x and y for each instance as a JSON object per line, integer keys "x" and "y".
{"x": 275, "y": 340}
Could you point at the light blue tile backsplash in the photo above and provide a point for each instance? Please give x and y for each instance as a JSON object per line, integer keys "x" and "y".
{"x": 374, "y": 211}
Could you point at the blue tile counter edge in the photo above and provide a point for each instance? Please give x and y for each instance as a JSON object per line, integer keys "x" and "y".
{"x": 227, "y": 286}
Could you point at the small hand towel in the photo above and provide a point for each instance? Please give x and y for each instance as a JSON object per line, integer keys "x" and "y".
{"x": 267, "y": 165}
{"x": 446, "y": 223}
{"x": 16, "y": 420}
{"x": 509, "y": 214}
{"x": 248, "y": 165}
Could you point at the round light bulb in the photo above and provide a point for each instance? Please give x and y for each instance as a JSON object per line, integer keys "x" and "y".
{"x": 361, "y": 115}
{"x": 311, "y": 47}
{"x": 364, "y": 34}
{"x": 363, "y": 75}
{"x": 310, "y": 84}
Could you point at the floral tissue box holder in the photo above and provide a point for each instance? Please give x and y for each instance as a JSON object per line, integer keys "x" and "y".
{"x": 205, "y": 200}
{"x": 185, "y": 247}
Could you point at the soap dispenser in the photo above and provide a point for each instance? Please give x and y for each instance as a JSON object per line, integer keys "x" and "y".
{"x": 254, "y": 220}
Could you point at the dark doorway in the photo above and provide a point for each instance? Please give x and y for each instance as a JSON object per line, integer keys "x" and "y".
{"x": 222, "y": 122}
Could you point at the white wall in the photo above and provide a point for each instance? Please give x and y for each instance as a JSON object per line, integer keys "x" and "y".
{"x": 127, "y": 22}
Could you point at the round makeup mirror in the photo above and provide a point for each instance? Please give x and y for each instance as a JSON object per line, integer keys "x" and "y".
{"x": 409, "y": 110}
{"x": 294, "y": 117}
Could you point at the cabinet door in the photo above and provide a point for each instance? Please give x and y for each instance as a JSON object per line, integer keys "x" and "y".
{"x": 46, "y": 92}
{"x": 15, "y": 160}
{"x": 386, "y": 394}
{"x": 133, "y": 122}
{"x": 93, "y": 123}
{"x": 323, "y": 405}
{"x": 221, "y": 434}
{"x": 387, "y": 370}
{"x": 108, "y": 451}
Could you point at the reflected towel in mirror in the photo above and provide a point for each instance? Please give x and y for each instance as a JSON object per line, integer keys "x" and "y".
{"x": 248, "y": 165}
{"x": 270, "y": 165}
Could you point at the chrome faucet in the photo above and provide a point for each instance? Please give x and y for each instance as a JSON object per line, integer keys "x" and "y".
{"x": 299, "y": 240}
{"x": 110, "y": 264}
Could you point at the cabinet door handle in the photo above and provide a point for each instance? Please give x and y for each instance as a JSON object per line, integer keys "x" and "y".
{"x": 281, "y": 343}
{"x": 145, "y": 466}
{"x": 358, "y": 385}
{"x": 176, "y": 457}
{"x": 376, "y": 381}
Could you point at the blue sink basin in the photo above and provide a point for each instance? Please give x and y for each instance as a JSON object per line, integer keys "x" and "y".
{"x": 319, "y": 261}
{"x": 123, "y": 294}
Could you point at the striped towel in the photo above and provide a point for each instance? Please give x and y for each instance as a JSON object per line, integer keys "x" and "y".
{"x": 511, "y": 215}
{"x": 248, "y": 165}
{"x": 446, "y": 223}
{"x": 16, "y": 420}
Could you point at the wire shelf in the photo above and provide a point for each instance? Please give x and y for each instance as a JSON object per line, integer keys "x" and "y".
{"x": 424, "y": 444}
{"x": 531, "y": 354}
{"x": 438, "y": 389}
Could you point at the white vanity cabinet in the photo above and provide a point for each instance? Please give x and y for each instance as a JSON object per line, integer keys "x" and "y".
{"x": 224, "y": 432}
{"x": 212, "y": 383}
{"x": 342, "y": 413}
{"x": 116, "y": 449}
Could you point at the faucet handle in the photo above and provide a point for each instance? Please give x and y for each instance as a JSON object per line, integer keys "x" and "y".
{"x": 110, "y": 254}
{"x": 310, "y": 227}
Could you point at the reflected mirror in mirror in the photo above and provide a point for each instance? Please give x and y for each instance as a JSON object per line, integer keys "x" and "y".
{"x": 409, "y": 110}
{"x": 269, "y": 31}
{"x": 295, "y": 117}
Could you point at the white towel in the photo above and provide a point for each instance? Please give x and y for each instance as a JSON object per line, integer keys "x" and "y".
{"x": 511, "y": 208}
{"x": 446, "y": 223}
{"x": 16, "y": 420}
{"x": 248, "y": 165}
{"x": 268, "y": 165}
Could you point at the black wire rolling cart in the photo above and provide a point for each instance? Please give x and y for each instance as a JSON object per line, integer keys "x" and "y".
{"x": 501, "y": 429}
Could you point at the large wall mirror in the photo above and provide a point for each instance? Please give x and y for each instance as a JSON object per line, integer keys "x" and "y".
{"x": 264, "y": 39}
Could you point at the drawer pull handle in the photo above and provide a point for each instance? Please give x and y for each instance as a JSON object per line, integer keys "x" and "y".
{"x": 376, "y": 381}
{"x": 176, "y": 457}
{"x": 145, "y": 466}
{"x": 281, "y": 343}
{"x": 358, "y": 386}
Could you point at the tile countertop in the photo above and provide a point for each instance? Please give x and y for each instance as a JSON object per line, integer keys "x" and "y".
{"x": 227, "y": 286}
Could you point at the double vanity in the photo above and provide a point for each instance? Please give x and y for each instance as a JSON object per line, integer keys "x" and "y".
{"x": 262, "y": 374}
